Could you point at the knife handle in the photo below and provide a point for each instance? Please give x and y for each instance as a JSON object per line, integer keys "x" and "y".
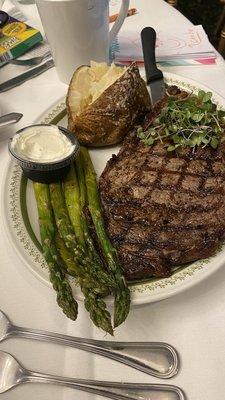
{"x": 148, "y": 39}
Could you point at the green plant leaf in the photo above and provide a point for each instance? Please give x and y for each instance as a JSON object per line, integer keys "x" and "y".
{"x": 214, "y": 142}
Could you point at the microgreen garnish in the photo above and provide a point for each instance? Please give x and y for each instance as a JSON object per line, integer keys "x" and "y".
{"x": 192, "y": 121}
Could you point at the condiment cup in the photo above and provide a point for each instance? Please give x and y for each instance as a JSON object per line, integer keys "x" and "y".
{"x": 46, "y": 172}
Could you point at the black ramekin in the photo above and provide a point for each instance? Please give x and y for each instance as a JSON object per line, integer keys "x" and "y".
{"x": 47, "y": 172}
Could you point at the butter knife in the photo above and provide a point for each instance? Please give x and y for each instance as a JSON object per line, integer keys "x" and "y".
{"x": 32, "y": 73}
{"x": 9, "y": 119}
{"x": 154, "y": 76}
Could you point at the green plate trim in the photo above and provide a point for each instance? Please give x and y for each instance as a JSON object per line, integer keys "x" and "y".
{"x": 23, "y": 206}
{"x": 58, "y": 117}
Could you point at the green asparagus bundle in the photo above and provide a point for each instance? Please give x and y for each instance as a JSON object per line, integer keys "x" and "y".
{"x": 94, "y": 304}
{"x": 71, "y": 248}
{"x": 66, "y": 232}
{"x": 122, "y": 293}
{"x": 65, "y": 298}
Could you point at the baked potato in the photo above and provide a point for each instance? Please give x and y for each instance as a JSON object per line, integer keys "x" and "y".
{"x": 104, "y": 103}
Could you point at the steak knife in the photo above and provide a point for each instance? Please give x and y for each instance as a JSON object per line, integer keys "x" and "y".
{"x": 154, "y": 76}
{"x": 11, "y": 83}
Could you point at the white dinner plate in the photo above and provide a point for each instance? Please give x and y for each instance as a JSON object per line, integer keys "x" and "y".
{"x": 21, "y": 218}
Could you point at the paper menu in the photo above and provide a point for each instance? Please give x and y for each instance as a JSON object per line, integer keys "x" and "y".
{"x": 190, "y": 43}
{"x": 192, "y": 40}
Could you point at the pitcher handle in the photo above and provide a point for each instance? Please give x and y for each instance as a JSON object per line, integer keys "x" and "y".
{"x": 119, "y": 21}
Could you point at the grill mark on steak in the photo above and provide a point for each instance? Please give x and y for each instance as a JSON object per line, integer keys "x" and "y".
{"x": 163, "y": 209}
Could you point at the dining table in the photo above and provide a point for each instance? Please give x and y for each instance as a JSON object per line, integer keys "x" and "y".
{"x": 192, "y": 321}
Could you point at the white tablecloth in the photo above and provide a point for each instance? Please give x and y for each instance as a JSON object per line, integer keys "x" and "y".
{"x": 192, "y": 321}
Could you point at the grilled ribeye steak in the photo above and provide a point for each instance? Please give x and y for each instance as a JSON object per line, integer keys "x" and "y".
{"x": 163, "y": 209}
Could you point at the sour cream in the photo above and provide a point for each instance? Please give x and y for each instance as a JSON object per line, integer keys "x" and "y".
{"x": 42, "y": 144}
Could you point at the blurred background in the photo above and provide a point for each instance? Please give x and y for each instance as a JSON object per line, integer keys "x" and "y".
{"x": 208, "y": 13}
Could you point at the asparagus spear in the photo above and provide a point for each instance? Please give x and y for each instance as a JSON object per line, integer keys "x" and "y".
{"x": 72, "y": 198}
{"x": 65, "y": 298}
{"x": 122, "y": 293}
{"x": 93, "y": 303}
{"x": 97, "y": 310}
{"x": 66, "y": 232}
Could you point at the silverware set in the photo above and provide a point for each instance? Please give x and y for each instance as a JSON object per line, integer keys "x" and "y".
{"x": 31, "y": 73}
{"x": 45, "y": 60}
{"x": 153, "y": 358}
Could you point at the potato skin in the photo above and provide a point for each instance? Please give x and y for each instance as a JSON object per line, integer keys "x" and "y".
{"x": 107, "y": 120}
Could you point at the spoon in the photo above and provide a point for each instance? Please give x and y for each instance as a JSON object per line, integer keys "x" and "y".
{"x": 9, "y": 119}
{"x": 156, "y": 359}
{"x": 12, "y": 374}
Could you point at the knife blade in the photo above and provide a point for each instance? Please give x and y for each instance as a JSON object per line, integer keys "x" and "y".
{"x": 154, "y": 76}
{"x": 18, "y": 80}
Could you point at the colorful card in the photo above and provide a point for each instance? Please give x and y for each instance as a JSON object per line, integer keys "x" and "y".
{"x": 16, "y": 38}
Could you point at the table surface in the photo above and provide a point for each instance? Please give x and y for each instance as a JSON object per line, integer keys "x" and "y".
{"x": 192, "y": 321}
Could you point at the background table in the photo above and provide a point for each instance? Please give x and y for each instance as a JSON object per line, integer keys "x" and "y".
{"x": 192, "y": 321}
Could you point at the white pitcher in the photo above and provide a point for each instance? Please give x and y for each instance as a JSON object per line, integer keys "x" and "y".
{"x": 78, "y": 31}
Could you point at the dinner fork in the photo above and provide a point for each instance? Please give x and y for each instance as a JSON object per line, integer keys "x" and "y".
{"x": 31, "y": 61}
{"x": 154, "y": 358}
{"x": 12, "y": 374}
